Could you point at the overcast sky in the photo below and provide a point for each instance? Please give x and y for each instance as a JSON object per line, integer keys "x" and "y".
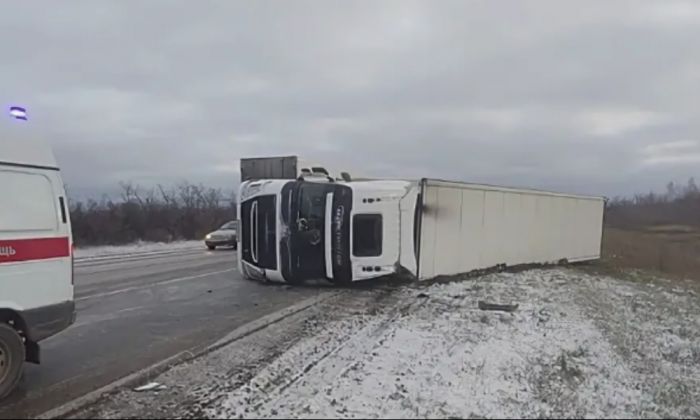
{"x": 592, "y": 97}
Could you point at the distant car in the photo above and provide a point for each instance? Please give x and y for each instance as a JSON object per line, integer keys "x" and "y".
{"x": 226, "y": 235}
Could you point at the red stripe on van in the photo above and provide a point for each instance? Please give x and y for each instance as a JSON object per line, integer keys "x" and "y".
{"x": 16, "y": 250}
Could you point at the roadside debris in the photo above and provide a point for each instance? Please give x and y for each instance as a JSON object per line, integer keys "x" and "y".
{"x": 484, "y": 306}
{"x": 151, "y": 386}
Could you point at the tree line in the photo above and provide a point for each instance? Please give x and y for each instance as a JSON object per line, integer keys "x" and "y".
{"x": 188, "y": 211}
{"x": 161, "y": 214}
{"x": 678, "y": 205}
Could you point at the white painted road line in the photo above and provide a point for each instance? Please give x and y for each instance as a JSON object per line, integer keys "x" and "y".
{"x": 130, "y": 255}
{"x": 148, "y": 286}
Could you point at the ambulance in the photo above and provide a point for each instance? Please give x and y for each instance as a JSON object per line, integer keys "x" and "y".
{"x": 36, "y": 259}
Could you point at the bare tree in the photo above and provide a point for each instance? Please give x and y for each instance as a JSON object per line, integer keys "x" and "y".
{"x": 186, "y": 211}
{"x": 678, "y": 205}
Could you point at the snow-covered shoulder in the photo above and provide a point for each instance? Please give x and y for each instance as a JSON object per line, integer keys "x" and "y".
{"x": 577, "y": 346}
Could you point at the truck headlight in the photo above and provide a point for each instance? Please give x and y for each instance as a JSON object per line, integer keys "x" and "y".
{"x": 208, "y": 236}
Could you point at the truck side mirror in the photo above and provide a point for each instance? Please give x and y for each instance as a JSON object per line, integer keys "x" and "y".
{"x": 346, "y": 176}
{"x": 319, "y": 170}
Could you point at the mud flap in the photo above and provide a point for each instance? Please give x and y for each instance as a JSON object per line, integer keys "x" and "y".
{"x": 32, "y": 352}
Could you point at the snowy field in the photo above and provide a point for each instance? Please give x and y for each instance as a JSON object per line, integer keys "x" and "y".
{"x": 135, "y": 248}
{"x": 579, "y": 345}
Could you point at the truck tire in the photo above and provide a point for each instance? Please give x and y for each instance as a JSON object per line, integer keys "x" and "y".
{"x": 12, "y": 356}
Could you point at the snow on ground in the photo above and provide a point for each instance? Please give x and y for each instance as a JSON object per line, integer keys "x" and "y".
{"x": 135, "y": 248}
{"x": 579, "y": 345}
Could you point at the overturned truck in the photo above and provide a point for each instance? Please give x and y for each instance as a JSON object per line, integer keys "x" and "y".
{"x": 315, "y": 227}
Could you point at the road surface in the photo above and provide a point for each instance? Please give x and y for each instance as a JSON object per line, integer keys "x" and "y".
{"x": 136, "y": 310}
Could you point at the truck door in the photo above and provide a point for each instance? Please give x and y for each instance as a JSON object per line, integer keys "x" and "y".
{"x": 258, "y": 233}
{"x": 376, "y": 237}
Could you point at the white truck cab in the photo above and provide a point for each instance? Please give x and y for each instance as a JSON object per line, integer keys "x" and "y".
{"x": 316, "y": 228}
{"x": 36, "y": 261}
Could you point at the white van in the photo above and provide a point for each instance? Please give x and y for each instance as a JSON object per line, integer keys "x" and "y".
{"x": 36, "y": 261}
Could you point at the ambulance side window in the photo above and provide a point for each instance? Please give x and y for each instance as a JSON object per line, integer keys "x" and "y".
{"x": 28, "y": 202}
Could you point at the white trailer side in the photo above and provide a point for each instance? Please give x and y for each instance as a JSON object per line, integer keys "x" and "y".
{"x": 465, "y": 227}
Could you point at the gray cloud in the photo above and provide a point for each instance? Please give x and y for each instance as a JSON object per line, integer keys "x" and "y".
{"x": 595, "y": 97}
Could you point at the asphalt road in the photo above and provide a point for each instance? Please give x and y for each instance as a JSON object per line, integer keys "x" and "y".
{"x": 134, "y": 311}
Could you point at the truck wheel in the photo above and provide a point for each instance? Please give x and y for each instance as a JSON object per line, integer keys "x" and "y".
{"x": 11, "y": 359}
{"x": 211, "y": 247}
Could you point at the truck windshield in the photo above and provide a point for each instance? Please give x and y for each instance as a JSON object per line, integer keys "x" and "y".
{"x": 303, "y": 247}
{"x": 308, "y": 230}
{"x": 312, "y": 209}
